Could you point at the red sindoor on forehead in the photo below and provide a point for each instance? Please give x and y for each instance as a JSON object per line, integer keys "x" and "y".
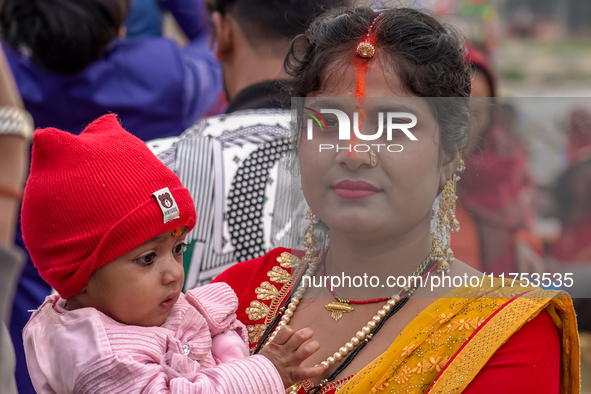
{"x": 365, "y": 51}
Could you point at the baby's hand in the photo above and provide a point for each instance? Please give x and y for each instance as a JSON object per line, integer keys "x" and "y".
{"x": 287, "y": 352}
{"x": 228, "y": 346}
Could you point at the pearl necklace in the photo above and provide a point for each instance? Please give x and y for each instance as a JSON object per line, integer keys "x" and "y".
{"x": 365, "y": 334}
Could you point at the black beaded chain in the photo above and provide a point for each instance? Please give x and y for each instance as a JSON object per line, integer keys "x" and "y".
{"x": 345, "y": 363}
{"x": 271, "y": 326}
{"x": 349, "y": 358}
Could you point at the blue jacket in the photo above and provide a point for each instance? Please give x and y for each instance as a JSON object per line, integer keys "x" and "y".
{"x": 157, "y": 88}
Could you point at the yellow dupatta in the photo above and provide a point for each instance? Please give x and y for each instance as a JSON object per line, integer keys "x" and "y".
{"x": 445, "y": 346}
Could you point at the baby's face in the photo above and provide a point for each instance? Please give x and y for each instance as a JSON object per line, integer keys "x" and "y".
{"x": 141, "y": 287}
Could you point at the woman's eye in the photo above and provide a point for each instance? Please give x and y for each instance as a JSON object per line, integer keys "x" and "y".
{"x": 180, "y": 248}
{"x": 146, "y": 260}
{"x": 331, "y": 121}
{"x": 399, "y": 121}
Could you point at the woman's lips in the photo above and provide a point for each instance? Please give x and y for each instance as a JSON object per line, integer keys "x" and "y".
{"x": 352, "y": 190}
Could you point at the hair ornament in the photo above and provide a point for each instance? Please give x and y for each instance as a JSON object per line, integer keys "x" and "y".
{"x": 365, "y": 49}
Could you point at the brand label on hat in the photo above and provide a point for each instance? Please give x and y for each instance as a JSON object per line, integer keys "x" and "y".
{"x": 167, "y": 204}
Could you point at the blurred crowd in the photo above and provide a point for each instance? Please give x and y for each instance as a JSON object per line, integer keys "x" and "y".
{"x": 69, "y": 62}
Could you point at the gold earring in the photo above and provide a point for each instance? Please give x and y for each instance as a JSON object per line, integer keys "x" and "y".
{"x": 447, "y": 223}
{"x": 373, "y": 158}
{"x": 309, "y": 239}
{"x": 438, "y": 255}
{"x": 461, "y": 167}
{"x": 446, "y": 216}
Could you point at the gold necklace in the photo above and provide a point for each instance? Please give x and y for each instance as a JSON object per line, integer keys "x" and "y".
{"x": 312, "y": 257}
{"x": 365, "y": 334}
{"x": 341, "y": 305}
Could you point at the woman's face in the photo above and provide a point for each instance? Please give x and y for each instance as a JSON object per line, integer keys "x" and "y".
{"x": 344, "y": 190}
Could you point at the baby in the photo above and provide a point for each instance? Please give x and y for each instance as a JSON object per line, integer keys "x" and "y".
{"x": 105, "y": 224}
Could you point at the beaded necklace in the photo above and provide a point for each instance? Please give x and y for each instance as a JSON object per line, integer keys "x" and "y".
{"x": 347, "y": 352}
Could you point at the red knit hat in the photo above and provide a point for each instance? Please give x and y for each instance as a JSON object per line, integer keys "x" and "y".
{"x": 94, "y": 197}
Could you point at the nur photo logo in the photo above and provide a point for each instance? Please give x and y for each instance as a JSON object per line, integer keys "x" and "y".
{"x": 394, "y": 123}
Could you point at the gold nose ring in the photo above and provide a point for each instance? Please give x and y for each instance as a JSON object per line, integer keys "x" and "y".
{"x": 373, "y": 158}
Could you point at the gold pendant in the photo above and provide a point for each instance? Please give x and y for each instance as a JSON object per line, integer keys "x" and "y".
{"x": 337, "y": 308}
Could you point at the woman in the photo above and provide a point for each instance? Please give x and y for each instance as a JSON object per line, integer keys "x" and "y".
{"x": 377, "y": 206}
{"x": 17, "y": 128}
{"x": 572, "y": 193}
{"x": 571, "y": 251}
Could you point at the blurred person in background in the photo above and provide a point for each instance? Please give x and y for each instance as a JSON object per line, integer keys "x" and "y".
{"x": 71, "y": 66}
{"x": 252, "y": 39}
{"x": 572, "y": 193}
{"x": 571, "y": 252}
{"x": 144, "y": 19}
{"x": 492, "y": 205}
{"x": 15, "y": 131}
{"x": 231, "y": 163}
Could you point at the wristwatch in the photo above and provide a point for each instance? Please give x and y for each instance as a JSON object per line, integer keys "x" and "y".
{"x": 16, "y": 121}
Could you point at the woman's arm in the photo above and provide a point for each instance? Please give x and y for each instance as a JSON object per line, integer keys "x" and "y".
{"x": 13, "y": 163}
{"x": 13, "y": 157}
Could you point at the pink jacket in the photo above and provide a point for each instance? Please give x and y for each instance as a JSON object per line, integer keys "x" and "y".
{"x": 84, "y": 351}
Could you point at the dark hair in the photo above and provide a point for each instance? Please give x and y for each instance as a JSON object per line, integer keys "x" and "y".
{"x": 263, "y": 21}
{"x": 62, "y": 36}
{"x": 426, "y": 55}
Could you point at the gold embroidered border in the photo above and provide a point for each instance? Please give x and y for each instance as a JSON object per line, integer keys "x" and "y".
{"x": 274, "y": 307}
{"x": 432, "y": 363}
{"x": 268, "y": 312}
{"x": 437, "y": 328}
{"x": 470, "y": 360}
{"x": 307, "y": 385}
{"x": 296, "y": 267}
{"x": 266, "y": 291}
{"x": 255, "y": 332}
{"x": 257, "y": 310}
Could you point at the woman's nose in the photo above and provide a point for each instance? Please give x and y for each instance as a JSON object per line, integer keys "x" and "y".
{"x": 354, "y": 154}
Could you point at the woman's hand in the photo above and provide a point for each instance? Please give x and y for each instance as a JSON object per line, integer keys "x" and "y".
{"x": 287, "y": 351}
